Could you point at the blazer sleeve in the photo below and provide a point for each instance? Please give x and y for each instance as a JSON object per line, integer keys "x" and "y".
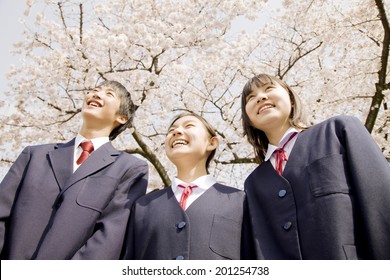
{"x": 247, "y": 239}
{"x": 128, "y": 250}
{"x": 107, "y": 240}
{"x": 8, "y": 190}
{"x": 370, "y": 174}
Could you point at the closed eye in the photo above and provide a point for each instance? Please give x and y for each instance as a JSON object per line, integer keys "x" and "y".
{"x": 110, "y": 93}
{"x": 249, "y": 97}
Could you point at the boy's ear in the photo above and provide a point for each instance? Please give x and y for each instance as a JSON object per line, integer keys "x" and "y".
{"x": 213, "y": 143}
{"x": 121, "y": 119}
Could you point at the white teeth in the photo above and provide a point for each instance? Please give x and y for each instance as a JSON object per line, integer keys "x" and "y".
{"x": 179, "y": 142}
{"x": 264, "y": 108}
{"x": 93, "y": 104}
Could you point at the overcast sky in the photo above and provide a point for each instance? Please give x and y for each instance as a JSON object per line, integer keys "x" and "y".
{"x": 10, "y": 32}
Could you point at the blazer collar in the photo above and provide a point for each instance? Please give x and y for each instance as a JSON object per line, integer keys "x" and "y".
{"x": 62, "y": 162}
{"x": 61, "y": 159}
{"x": 99, "y": 159}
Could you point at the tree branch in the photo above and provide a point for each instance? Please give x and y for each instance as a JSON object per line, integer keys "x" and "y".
{"x": 81, "y": 23}
{"x": 149, "y": 155}
{"x": 293, "y": 61}
{"x": 63, "y": 19}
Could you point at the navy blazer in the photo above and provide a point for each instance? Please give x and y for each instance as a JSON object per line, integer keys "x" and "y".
{"x": 332, "y": 202}
{"x": 210, "y": 228}
{"x": 49, "y": 212}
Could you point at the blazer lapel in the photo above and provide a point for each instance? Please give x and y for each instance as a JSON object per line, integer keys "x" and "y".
{"x": 61, "y": 159}
{"x": 296, "y": 155}
{"x": 99, "y": 159}
{"x": 172, "y": 201}
{"x": 207, "y": 200}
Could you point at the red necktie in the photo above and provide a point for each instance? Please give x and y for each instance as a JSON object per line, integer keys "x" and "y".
{"x": 185, "y": 194}
{"x": 280, "y": 155}
{"x": 87, "y": 149}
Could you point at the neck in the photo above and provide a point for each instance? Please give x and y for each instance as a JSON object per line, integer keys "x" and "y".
{"x": 92, "y": 133}
{"x": 275, "y": 135}
{"x": 191, "y": 173}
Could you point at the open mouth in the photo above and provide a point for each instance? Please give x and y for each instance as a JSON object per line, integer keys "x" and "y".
{"x": 93, "y": 103}
{"x": 263, "y": 108}
{"x": 179, "y": 142}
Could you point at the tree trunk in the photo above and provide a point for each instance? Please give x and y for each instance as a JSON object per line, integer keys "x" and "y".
{"x": 381, "y": 85}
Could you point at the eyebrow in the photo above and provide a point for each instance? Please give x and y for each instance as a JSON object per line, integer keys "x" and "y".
{"x": 107, "y": 89}
{"x": 175, "y": 125}
{"x": 253, "y": 88}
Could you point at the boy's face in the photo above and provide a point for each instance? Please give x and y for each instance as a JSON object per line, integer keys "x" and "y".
{"x": 100, "y": 108}
{"x": 189, "y": 141}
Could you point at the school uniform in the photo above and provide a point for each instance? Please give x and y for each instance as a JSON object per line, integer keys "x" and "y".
{"x": 51, "y": 208}
{"x": 209, "y": 228}
{"x": 331, "y": 202}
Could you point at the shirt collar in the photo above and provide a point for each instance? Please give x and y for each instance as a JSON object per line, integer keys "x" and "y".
{"x": 203, "y": 182}
{"x": 97, "y": 142}
{"x": 271, "y": 148}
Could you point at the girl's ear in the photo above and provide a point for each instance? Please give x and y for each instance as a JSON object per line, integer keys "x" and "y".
{"x": 213, "y": 143}
{"x": 121, "y": 119}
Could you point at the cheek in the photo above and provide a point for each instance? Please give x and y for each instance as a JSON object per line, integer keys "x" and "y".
{"x": 166, "y": 144}
{"x": 249, "y": 109}
{"x": 287, "y": 106}
{"x": 85, "y": 99}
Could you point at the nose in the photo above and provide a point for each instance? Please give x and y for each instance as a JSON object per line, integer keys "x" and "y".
{"x": 177, "y": 131}
{"x": 261, "y": 96}
{"x": 96, "y": 95}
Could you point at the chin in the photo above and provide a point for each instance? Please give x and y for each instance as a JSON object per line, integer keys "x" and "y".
{"x": 176, "y": 155}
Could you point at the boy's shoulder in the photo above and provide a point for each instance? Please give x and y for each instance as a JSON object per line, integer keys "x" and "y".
{"x": 44, "y": 147}
{"x": 131, "y": 158}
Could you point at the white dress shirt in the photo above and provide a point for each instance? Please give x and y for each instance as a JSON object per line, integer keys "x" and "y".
{"x": 203, "y": 184}
{"x": 97, "y": 143}
{"x": 270, "y": 155}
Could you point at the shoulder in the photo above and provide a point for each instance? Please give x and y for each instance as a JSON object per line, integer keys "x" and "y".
{"x": 154, "y": 195}
{"x": 43, "y": 147}
{"x": 50, "y": 146}
{"x": 337, "y": 125}
{"x": 125, "y": 159}
{"x": 132, "y": 158}
{"x": 227, "y": 195}
{"x": 227, "y": 189}
{"x": 339, "y": 121}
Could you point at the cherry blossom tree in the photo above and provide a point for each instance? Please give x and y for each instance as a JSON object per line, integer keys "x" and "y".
{"x": 191, "y": 55}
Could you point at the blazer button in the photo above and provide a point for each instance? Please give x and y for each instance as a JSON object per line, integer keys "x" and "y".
{"x": 287, "y": 225}
{"x": 181, "y": 225}
{"x": 282, "y": 193}
{"x": 179, "y": 258}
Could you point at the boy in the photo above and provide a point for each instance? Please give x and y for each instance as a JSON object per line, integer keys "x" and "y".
{"x": 65, "y": 201}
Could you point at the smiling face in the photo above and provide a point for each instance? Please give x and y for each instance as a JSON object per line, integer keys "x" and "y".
{"x": 189, "y": 141}
{"x": 269, "y": 107}
{"x": 257, "y": 130}
{"x": 101, "y": 109}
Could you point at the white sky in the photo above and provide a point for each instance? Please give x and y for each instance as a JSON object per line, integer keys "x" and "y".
{"x": 10, "y": 32}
